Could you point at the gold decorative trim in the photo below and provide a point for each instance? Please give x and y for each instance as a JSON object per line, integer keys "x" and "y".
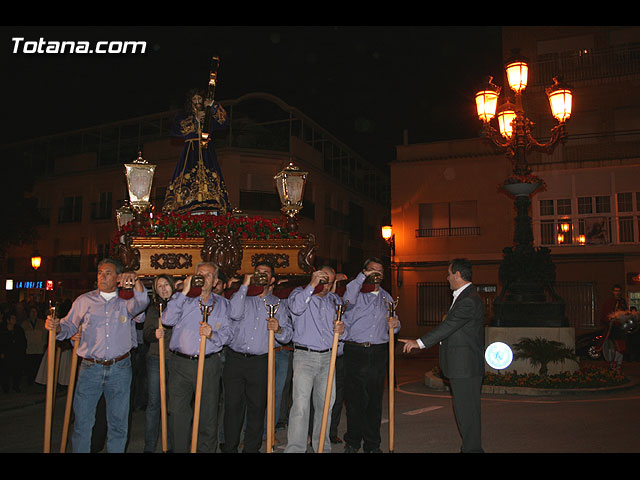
{"x": 150, "y": 256}
{"x": 171, "y": 261}
{"x": 278, "y": 260}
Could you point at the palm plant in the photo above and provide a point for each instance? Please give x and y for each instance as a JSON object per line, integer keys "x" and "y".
{"x": 540, "y": 351}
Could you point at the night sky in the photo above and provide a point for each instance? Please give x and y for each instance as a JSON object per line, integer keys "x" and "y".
{"x": 363, "y": 84}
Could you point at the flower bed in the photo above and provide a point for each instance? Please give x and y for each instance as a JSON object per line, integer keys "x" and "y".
{"x": 589, "y": 376}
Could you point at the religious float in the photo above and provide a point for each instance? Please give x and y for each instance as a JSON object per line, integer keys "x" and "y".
{"x": 197, "y": 223}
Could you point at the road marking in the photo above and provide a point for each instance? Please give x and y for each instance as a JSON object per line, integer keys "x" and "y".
{"x": 421, "y": 410}
{"x": 415, "y": 412}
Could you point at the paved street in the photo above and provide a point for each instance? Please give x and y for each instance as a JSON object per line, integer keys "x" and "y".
{"x": 593, "y": 422}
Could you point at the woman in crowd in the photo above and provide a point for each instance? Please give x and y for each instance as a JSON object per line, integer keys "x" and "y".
{"x": 163, "y": 288}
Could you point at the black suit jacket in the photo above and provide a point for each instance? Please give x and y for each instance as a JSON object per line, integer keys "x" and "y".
{"x": 461, "y": 334}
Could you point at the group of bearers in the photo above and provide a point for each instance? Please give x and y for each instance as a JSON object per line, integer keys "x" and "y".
{"x": 102, "y": 322}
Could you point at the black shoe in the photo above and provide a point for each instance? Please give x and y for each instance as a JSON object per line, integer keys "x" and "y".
{"x": 350, "y": 449}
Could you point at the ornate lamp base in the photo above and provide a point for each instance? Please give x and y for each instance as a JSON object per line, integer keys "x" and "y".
{"x": 519, "y": 189}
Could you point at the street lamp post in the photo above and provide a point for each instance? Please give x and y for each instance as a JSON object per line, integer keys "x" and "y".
{"x": 36, "y": 261}
{"x": 389, "y": 237}
{"x": 525, "y": 271}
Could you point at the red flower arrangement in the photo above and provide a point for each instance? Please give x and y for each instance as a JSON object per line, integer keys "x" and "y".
{"x": 185, "y": 225}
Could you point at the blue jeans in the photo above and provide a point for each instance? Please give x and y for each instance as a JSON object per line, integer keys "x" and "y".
{"x": 94, "y": 380}
{"x": 310, "y": 374}
{"x": 282, "y": 367}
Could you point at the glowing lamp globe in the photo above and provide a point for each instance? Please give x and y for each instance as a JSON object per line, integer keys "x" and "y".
{"x": 487, "y": 101}
{"x": 36, "y": 261}
{"x": 560, "y": 100}
{"x": 387, "y": 232}
{"x": 506, "y": 116}
{"x": 517, "y": 75}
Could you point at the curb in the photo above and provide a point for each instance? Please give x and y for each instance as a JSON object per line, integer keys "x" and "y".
{"x": 21, "y": 400}
{"x": 437, "y": 383}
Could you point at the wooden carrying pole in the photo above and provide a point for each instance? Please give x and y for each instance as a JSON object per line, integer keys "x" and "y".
{"x": 332, "y": 366}
{"x": 270, "y": 395}
{"x": 163, "y": 386}
{"x": 391, "y": 390}
{"x": 72, "y": 382}
{"x": 206, "y": 310}
{"x": 391, "y": 307}
{"x": 51, "y": 360}
{"x": 56, "y": 370}
{"x": 271, "y": 373}
{"x": 273, "y": 399}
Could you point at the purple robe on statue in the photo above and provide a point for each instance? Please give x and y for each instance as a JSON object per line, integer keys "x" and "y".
{"x": 197, "y": 183}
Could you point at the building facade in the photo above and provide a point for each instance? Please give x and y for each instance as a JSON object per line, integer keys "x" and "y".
{"x": 445, "y": 201}
{"x": 81, "y": 182}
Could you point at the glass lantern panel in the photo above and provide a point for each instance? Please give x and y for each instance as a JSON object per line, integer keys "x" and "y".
{"x": 560, "y": 101}
{"x": 505, "y": 120}
{"x": 517, "y": 75}
{"x": 486, "y": 104}
{"x": 295, "y": 186}
{"x": 139, "y": 180}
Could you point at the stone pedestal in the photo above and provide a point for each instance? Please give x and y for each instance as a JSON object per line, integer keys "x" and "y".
{"x": 529, "y": 314}
{"x": 512, "y": 335}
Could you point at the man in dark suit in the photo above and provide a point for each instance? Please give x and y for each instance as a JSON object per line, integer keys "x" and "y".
{"x": 461, "y": 337}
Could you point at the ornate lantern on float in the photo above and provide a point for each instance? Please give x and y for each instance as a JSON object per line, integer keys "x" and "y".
{"x": 290, "y": 183}
{"x": 139, "y": 181}
{"x": 124, "y": 215}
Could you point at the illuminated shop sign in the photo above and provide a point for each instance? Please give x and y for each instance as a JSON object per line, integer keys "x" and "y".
{"x": 21, "y": 284}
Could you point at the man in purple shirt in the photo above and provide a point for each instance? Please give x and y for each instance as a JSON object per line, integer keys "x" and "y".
{"x": 313, "y": 314}
{"x": 185, "y": 314}
{"x": 366, "y": 356}
{"x": 246, "y": 358}
{"x": 105, "y": 345}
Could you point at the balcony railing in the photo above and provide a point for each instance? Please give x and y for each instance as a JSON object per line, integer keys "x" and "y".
{"x": 597, "y": 63}
{"x": 447, "y": 232}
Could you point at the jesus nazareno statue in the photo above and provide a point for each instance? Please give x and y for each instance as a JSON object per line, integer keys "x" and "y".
{"x": 197, "y": 184}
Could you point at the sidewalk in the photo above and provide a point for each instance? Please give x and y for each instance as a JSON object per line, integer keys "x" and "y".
{"x": 28, "y": 395}
{"x": 415, "y": 367}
